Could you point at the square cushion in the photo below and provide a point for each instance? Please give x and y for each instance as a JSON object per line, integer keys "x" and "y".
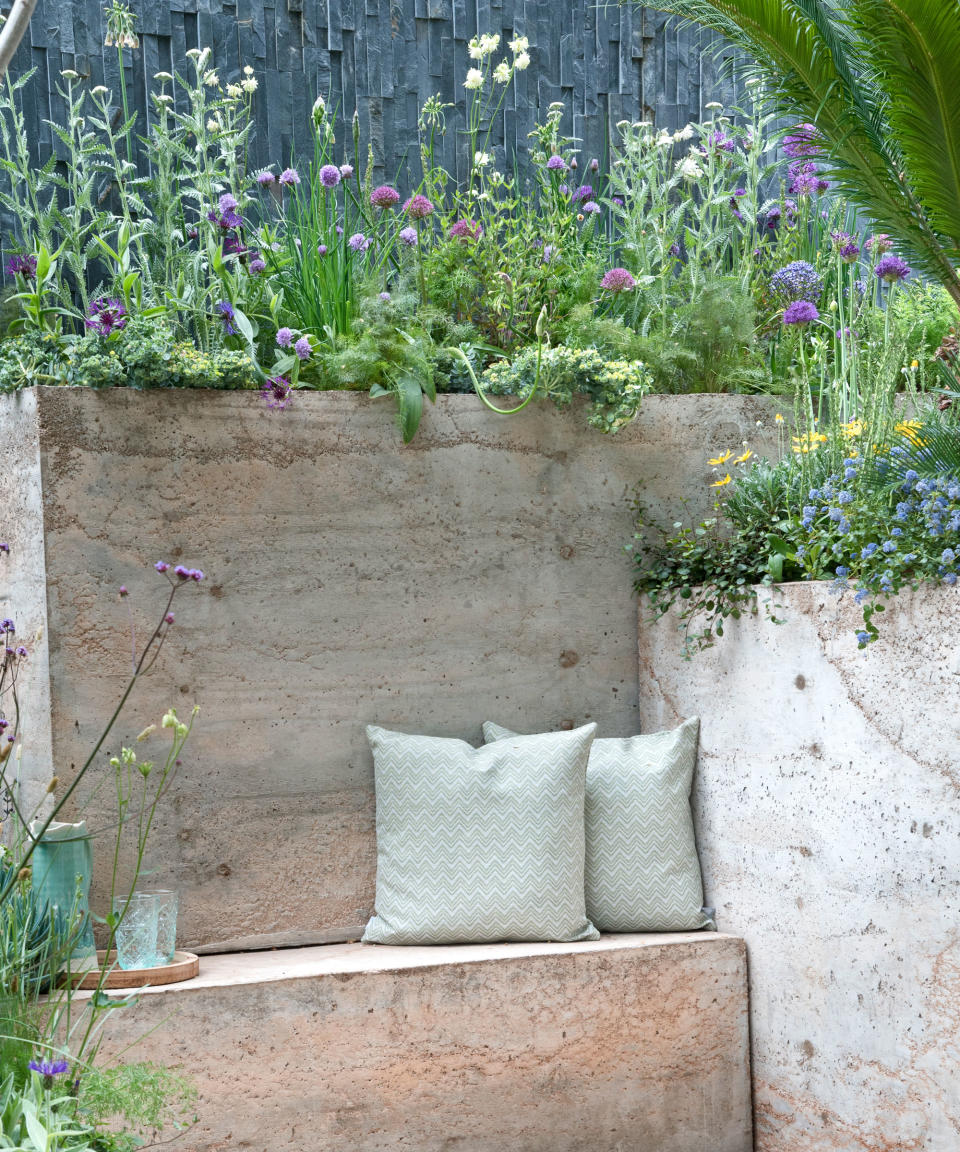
{"x": 642, "y": 872}
{"x": 479, "y": 844}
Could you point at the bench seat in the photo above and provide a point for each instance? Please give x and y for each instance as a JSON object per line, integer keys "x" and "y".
{"x": 633, "y": 1043}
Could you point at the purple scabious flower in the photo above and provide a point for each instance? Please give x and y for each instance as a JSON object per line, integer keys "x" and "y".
{"x": 228, "y": 202}
{"x": 329, "y": 175}
{"x": 358, "y": 242}
{"x": 557, "y": 164}
{"x": 23, "y": 264}
{"x": 465, "y": 230}
{"x": 227, "y": 315}
{"x": 289, "y": 176}
{"x": 408, "y": 236}
{"x": 384, "y": 196}
{"x": 266, "y": 179}
{"x": 802, "y": 140}
{"x": 284, "y": 337}
{"x": 718, "y": 142}
{"x": 106, "y": 315}
{"x": 346, "y": 171}
{"x": 256, "y": 266}
{"x": 584, "y": 192}
{"x": 891, "y": 269}
{"x": 49, "y": 1067}
{"x": 418, "y": 207}
{"x": 800, "y": 312}
{"x": 797, "y": 281}
{"x": 277, "y": 391}
{"x": 302, "y": 348}
{"x": 591, "y": 208}
{"x": 618, "y": 280}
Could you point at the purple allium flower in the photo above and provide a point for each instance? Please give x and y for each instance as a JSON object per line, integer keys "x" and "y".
{"x": 618, "y": 280}
{"x": 797, "y": 281}
{"x": 228, "y": 202}
{"x": 584, "y": 192}
{"x": 161, "y": 566}
{"x": 892, "y": 268}
{"x": 49, "y": 1067}
{"x": 801, "y": 312}
{"x": 804, "y": 179}
{"x": 265, "y": 179}
{"x": 346, "y": 171}
{"x": 418, "y": 207}
{"x": 302, "y": 348}
{"x": 256, "y": 266}
{"x": 106, "y": 315}
{"x": 803, "y": 140}
{"x": 284, "y": 337}
{"x": 329, "y": 175}
{"x": 408, "y": 236}
{"x": 845, "y": 245}
{"x": 879, "y": 244}
{"x": 549, "y": 251}
{"x": 384, "y": 196}
{"x": 556, "y": 164}
{"x": 339, "y": 229}
{"x": 277, "y": 391}
{"x": 227, "y": 315}
{"x": 168, "y": 619}
{"x": 358, "y": 242}
{"x": 594, "y": 165}
{"x": 22, "y": 264}
{"x": 466, "y": 230}
{"x": 289, "y": 176}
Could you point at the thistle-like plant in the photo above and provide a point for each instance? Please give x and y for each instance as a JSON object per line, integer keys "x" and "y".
{"x": 878, "y": 79}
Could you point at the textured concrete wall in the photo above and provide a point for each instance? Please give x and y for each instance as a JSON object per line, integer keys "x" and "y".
{"x": 830, "y": 836}
{"x": 477, "y": 573}
{"x": 627, "y": 1045}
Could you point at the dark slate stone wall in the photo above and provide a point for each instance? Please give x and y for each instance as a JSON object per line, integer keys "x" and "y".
{"x": 383, "y": 58}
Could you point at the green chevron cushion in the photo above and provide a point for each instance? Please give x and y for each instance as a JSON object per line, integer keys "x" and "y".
{"x": 642, "y": 872}
{"x": 479, "y": 844}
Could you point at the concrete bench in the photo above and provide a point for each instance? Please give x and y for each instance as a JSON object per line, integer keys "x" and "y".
{"x": 634, "y": 1043}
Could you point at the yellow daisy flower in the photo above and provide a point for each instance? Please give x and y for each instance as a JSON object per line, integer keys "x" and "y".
{"x": 718, "y": 460}
{"x": 721, "y": 483}
{"x": 744, "y": 457}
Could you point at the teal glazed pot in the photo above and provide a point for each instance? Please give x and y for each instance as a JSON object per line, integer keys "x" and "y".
{"x": 62, "y": 867}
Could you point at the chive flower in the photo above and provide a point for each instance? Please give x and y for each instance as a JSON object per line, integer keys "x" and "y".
{"x": 618, "y": 280}
{"x": 418, "y": 207}
{"x": 289, "y": 177}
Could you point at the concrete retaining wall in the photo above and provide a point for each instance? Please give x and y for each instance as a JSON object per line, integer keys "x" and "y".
{"x": 829, "y": 827}
{"x": 477, "y": 573}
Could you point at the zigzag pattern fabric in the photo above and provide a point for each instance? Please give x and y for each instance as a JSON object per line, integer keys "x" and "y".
{"x": 476, "y": 845}
{"x": 642, "y": 872}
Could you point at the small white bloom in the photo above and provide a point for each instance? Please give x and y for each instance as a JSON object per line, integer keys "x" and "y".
{"x": 247, "y": 70}
{"x": 162, "y": 76}
{"x": 490, "y": 43}
{"x": 234, "y": 91}
{"x": 502, "y": 73}
{"x": 69, "y": 74}
{"x": 319, "y": 107}
{"x": 193, "y": 53}
{"x": 212, "y": 125}
{"x": 519, "y": 45}
{"x": 713, "y": 104}
{"x": 163, "y": 98}
{"x": 689, "y": 168}
{"x": 687, "y": 132}
{"x": 474, "y": 79}
{"x": 212, "y": 80}
{"x": 481, "y": 159}
{"x": 476, "y": 52}
{"x": 100, "y": 90}
{"x": 643, "y": 124}
{"x": 522, "y": 61}
{"x": 250, "y": 84}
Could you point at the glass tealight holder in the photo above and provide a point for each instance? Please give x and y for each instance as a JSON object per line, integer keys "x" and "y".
{"x": 166, "y": 900}
{"x": 136, "y": 934}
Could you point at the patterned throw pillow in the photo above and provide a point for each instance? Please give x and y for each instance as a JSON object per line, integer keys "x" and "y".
{"x": 479, "y": 844}
{"x": 642, "y": 871}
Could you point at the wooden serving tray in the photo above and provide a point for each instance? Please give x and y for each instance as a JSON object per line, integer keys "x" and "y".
{"x": 185, "y": 966}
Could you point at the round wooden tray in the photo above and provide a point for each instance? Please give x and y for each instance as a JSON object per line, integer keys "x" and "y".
{"x": 184, "y": 967}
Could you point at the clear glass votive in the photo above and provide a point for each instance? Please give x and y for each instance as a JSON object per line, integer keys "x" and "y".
{"x": 136, "y": 934}
{"x": 166, "y": 899}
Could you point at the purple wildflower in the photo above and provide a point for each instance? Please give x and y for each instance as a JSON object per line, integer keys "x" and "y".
{"x": 302, "y": 348}
{"x": 256, "y": 266}
{"x": 466, "y": 230}
{"x": 803, "y": 140}
{"x": 22, "y": 264}
{"x": 549, "y": 251}
{"x": 892, "y": 268}
{"x": 7, "y": 625}
{"x": 168, "y": 619}
{"x": 591, "y": 208}
{"x": 618, "y": 201}
{"x": 106, "y": 315}
{"x": 618, "y": 280}
{"x": 182, "y": 571}
{"x": 265, "y": 179}
{"x": 284, "y": 337}
{"x": 21, "y": 652}
{"x": 228, "y": 202}
{"x": 879, "y": 244}
{"x": 384, "y": 196}
{"x": 161, "y": 566}
{"x": 278, "y": 392}
{"x": 321, "y": 249}
{"x": 195, "y": 574}
{"x": 718, "y": 142}
{"x": 564, "y": 189}
{"x": 358, "y": 242}
{"x": 4, "y": 547}
{"x": 804, "y": 179}
{"x": 49, "y": 1068}
{"x": 408, "y": 236}
{"x": 384, "y": 297}
{"x": 556, "y": 164}
{"x": 233, "y": 246}
{"x": 227, "y": 315}
{"x": 846, "y": 247}
{"x": 773, "y": 217}
{"x": 418, "y": 207}
{"x": 289, "y": 176}
{"x": 801, "y": 312}
{"x": 594, "y": 165}
{"x": 346, "y": 171}
{"x": 329, "y": 175}
{"x": 675, "y": 249}
{"x": 797, "y": 281}
{"x": 584, "y": 192}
